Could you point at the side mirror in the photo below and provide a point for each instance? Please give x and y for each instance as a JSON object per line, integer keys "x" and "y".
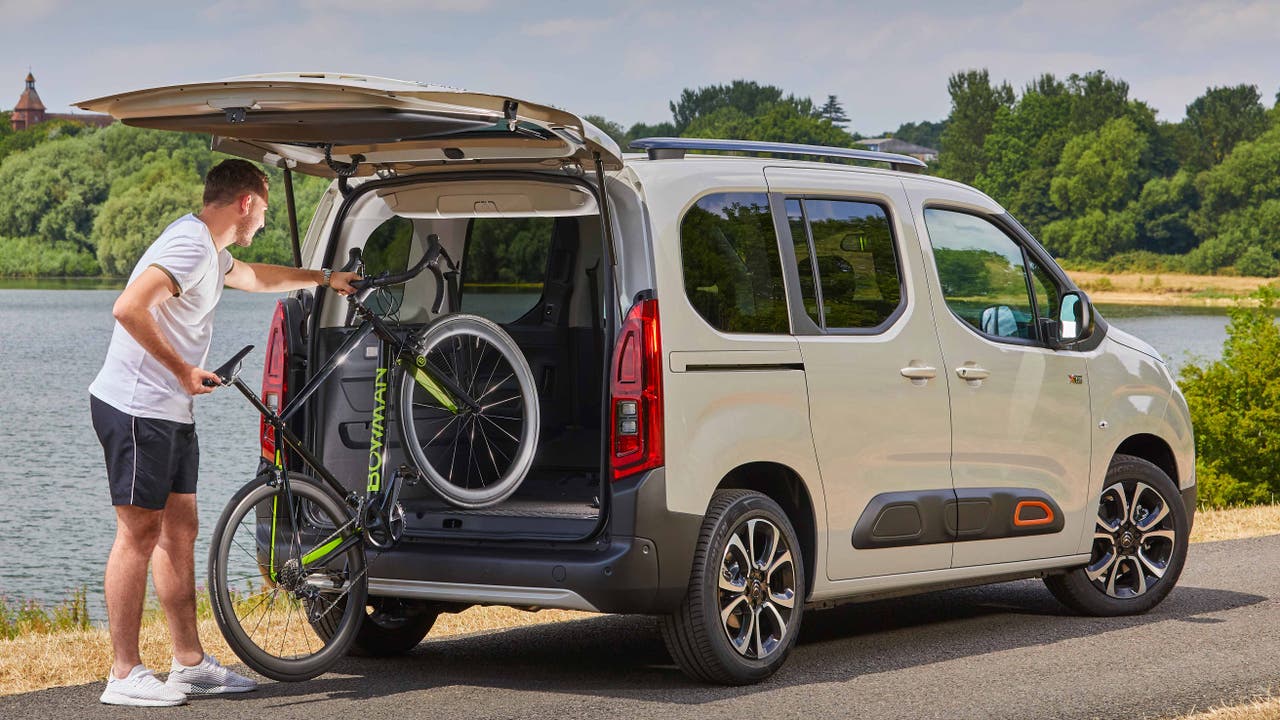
{"x": 1075, "y": 317}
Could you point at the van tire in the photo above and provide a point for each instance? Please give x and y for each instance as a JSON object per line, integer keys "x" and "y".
{"x": 1085, "y": 596}
{"x": 694, "y": 634}
{"x": 394, "y": 627}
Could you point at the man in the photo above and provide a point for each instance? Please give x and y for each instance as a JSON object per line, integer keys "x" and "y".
{"x": 142, "y": 403}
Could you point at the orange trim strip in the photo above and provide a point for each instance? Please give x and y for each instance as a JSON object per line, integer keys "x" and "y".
{"x": 1017, "y": 514}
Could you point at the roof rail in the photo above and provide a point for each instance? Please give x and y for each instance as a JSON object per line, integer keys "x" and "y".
{"x": 669, "y": 148}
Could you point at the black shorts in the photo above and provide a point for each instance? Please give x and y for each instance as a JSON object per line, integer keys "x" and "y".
{"x": 147, "y": 458}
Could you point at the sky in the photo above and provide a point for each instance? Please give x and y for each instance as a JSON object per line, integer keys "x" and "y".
{"x": 888, "y": 63}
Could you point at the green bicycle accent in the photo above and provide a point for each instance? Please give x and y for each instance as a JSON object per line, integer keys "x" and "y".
{"x": 429, "y": 384}
{"x": 321, "y": 551}
{"x": 275, "y": 509}
{"x": 376, "y": 429}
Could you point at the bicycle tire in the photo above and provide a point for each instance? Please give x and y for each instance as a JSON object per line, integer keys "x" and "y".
{"x": 318, "y": 512}
{"x": 460, "y": 345}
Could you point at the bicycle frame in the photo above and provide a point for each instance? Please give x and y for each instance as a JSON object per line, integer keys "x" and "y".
{"x": 391, "y": 351}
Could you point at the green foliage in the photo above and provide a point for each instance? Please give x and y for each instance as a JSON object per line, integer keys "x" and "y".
{"x": 1144, "y": 261}
{"x": 1235, "y": 407}
{"x": 747, "y": 97}
{"x": 833, "y": 110}
{"x": 1221, "y": 118}
{"x": 31, "y": 618}
{"x": 610, "y": 128}
{"x": 507, "y": 250}
{"x": 780, "y": 122}
{"x": 1256, "y": 262}
{"x": 963, "y": 272}
{"x": 132, "y": 219}
{"x": 974, "y": 105}
{"x": 644, "y": 130}
{"x": 1100, "y": 170}
{"x": 1164, "y": 213}
{"x": 11, "y": 142}
{"x": 53, "y": 191}
{"x": 924, "y": 133}
{"x": 34, "y": 257}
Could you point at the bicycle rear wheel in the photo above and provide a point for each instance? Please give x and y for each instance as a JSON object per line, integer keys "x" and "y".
{"x": 473, "y": 457}
{"x": 284, "y": 619}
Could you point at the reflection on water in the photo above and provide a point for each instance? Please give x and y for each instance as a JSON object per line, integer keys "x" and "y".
{"x": 53, "y": 489}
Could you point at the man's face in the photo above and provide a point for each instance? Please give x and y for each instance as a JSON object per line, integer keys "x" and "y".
{"x": 252, "y": 219}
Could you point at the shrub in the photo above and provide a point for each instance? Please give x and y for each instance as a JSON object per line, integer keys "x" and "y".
{"x": 1256, "y": 262}
{"x": 1235, "y": 407}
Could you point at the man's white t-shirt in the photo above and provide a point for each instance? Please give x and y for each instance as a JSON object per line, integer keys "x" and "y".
{"x": 131, "y": 380}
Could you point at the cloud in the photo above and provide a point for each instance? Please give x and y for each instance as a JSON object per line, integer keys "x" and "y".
{"x": 567, "y": 27}
{"x": 22, "y": 11}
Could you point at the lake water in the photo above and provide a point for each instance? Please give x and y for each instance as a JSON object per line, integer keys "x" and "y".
{"x": 58, "y": 521}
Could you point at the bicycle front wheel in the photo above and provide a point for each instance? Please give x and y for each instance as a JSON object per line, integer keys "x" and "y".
{"x": 474, "y": 456}
{"x": 288, "y": 605}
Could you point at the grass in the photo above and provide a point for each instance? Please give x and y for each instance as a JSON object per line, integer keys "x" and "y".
{"x": 1262, "y": 708}
{"x": 50, "y": 647}
{"x": 1169, "y": 289}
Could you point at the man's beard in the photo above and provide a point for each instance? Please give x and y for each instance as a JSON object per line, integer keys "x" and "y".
{"x": 245, "y": 232}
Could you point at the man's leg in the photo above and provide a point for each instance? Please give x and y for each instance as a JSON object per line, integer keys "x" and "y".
{"x": 173, "y": 569}
{"x": 137, "y": 530}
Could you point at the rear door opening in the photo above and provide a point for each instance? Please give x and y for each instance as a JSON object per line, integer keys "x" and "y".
{"x": 530, "y": 258}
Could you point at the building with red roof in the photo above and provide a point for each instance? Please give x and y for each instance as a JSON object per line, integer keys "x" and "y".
{"x": 30, "y": 111}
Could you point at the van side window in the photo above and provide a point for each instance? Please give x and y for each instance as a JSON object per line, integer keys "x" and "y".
{"x": 983, "y": 274}
{"x": 732, "y": 269}
{"x": 856, "y": 263}
{"x": 504, "y": 266}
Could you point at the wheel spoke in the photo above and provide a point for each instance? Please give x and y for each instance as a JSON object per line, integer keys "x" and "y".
{"x": 735, "y": 543}
{"x": 1142, "y": 576}
{"x": 730, "y": 607}
{"x": 742, "y": 641}
{"x": 1169, "y": 535}
{"x": 1151, "y": 565}
{"x": 736, "y": 584}
{"x": 1097, "y": 573}
{"x": 785, "y": 599}
{"x": 496, "y": 425}
{"x": 765, "y": 558}
{"x": 778, "y": 620}
{"x": 783, "y": 559}
{"x": 755, "y": 633}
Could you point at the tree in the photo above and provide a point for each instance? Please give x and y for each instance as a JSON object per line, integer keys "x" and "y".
{"x": 1164, "y": 214}
{"x": 1100, "y": 170}
{"x": 834, "y": 112}
{"x": 52, "y": 191}
{"x": 974, "y": 103}
{"x": 748, "y": 97}
{"x": 923, "y": 133}
{"x": 781, "y": 122}
{"x": 132, "y": 219}
{"x": 1222, "y": 118}
{"x": 644, "y": 130}
{"x": 610, "y": 128}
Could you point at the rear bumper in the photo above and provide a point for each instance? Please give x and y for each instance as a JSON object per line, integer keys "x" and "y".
{"x": 640, "y": 564}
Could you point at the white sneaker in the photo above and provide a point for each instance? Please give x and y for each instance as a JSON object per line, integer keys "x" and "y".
{"x": 207, "y": 678}
{"x": 140, "y": 689}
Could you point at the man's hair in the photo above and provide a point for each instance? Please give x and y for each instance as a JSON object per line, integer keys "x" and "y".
{"x": 230, "y": 179}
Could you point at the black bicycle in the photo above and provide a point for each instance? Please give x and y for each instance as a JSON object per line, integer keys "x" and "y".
{"x": 288, "y": 561}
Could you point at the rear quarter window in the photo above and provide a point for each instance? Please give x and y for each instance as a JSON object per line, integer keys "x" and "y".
{"x": 732, "y": 269}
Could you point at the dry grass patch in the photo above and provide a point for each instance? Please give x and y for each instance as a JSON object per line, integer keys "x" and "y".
{"x": 1166, "y": 288}
{"x": 1236, "y": 523}
{"x": 39, "y": 661}
{"x": 1264, "y": 708}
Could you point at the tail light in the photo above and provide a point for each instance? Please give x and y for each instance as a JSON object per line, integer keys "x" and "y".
{"x": 274, "y": 372}
{"x": 636, "y": 391}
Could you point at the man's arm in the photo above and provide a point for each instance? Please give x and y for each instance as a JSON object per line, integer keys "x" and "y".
{"x": 261, "y": 277}
{"x": 133, "y": 311}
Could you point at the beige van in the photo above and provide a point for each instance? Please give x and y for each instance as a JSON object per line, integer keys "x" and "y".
{"x": 768, "y": 381}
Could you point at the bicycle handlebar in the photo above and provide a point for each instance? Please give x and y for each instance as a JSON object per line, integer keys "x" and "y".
{"x": 431, "y": 257}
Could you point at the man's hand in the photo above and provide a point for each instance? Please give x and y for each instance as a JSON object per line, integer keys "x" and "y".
{"x": 341, "y": 282}
{"x": 193, "y": 378}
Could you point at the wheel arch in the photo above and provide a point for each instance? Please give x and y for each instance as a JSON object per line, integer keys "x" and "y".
{"x": 784, "y": 486}
{"x": 1154, "y": 450}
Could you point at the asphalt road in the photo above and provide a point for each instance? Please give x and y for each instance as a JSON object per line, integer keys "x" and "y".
{"x": 1002, "y": 651}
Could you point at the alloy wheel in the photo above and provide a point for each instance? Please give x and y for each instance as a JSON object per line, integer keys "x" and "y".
{"x": 1133, "y": 541}
{"x": 757, "y": 590}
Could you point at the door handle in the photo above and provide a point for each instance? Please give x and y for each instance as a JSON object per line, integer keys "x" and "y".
{"x": 972, "y": 374}
{"x": 919, "y": 374}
